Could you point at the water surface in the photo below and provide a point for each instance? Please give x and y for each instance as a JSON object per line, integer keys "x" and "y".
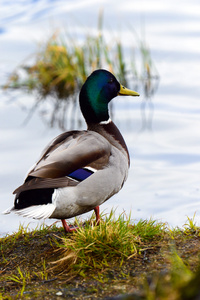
{"x": 164, "y": 176}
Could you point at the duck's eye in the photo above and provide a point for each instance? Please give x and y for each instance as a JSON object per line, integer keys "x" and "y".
{"x": 110, "y": 80}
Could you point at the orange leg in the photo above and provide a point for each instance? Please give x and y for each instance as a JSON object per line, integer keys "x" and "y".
{"x": 67, "y": 228}
{"x": 96, "y": 210}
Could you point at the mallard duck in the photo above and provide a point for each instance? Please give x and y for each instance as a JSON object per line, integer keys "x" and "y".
{"x": 79, "y": 170}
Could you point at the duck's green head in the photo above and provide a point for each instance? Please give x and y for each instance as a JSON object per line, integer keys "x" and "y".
{"x": 98, "y": 90}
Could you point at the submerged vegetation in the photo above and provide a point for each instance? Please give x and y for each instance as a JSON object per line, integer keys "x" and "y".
{"x": 143, "y": 260}
{"x": 62, "y": 64}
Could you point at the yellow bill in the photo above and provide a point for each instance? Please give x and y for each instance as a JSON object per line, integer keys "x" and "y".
{"x": 124, "y": 91}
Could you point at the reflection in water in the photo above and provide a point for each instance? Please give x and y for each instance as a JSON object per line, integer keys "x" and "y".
{"x": 147, "y": 110}
{"x": 150, "y": 82}
{"x": 58, "y": 70}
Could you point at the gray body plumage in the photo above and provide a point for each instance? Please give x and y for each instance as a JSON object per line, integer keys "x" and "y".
{"x": 90, "y": 149}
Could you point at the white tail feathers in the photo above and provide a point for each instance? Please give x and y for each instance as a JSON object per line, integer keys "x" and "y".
{"x": 35, "y": 211}
{"x": 8, "y": 210}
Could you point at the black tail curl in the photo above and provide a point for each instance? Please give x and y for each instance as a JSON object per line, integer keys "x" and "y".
{"x": 33, "y": 197}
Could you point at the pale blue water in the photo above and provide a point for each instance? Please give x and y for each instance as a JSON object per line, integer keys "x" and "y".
{"x": 164, "y": 176}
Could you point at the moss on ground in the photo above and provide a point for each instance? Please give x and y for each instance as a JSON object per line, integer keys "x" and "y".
{"x": 33, "y": 265}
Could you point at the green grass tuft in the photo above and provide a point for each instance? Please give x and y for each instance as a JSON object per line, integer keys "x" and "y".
{"x": 115, "y": 239}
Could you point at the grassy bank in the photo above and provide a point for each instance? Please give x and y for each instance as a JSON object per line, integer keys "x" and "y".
{"x": 145, "y": 259}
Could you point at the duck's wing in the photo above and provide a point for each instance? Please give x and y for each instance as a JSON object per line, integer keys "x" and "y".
{"x": 69, "y": 152}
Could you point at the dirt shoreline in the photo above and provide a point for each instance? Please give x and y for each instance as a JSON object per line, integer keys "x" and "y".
{"x": 26, "y": 268}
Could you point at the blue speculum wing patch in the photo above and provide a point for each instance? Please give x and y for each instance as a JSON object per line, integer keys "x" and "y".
{"x": 80, "y": 174}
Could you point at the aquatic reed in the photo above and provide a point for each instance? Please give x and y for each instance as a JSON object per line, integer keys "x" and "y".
{"x": 62, "y": 64}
